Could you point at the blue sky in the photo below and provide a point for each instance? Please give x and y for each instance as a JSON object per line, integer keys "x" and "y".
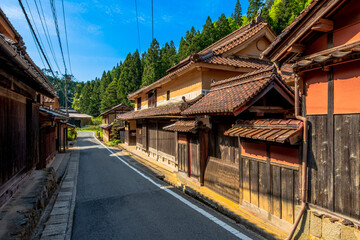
{"x": 102, "y": 32}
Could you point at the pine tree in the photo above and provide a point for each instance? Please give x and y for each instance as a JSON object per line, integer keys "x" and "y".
{"x": 77, "y": 94}
{"x": 109, "y": 99}
{"x": 207, "y": 34}
{"x": 167, "y": 57}
{"x": 254, "y": 6}
{"x": 115, "y": 130}
{"x": 152, "y": 64}
{"x": 130, "y": 77}
{"x": 222, "y": 27}
{"x": 237, "y": 15}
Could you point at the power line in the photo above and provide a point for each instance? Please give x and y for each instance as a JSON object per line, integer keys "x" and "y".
{"x": 67, "y": 42}
{"x": 36, "y": 29}
{"x": 46, "y": 32}
{"x": 137, "y": 21}
{"x": 53, "y": 9}
{"x": 152, "y": 19}
{"x": 37, "y": 41}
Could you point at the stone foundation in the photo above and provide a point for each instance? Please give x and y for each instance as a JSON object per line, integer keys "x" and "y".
{"x": 317, "y": 225}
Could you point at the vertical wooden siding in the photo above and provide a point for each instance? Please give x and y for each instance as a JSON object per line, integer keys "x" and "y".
{"x": 341, "y": 176}
{"x": 270, "y": 186}
{"x": 166, "y": 141}
{"x": 12, "y": 138}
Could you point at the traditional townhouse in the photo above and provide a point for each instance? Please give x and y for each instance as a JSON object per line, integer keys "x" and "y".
{"x": 108, "y": 118}
{"x": 323, "y": 44}
{"x": 21, "y": 86}
{"x": 250, "y": 153}
{"x": 158, "y": 105}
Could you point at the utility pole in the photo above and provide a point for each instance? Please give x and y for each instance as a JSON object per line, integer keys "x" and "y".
{"x": 67, "y": 77}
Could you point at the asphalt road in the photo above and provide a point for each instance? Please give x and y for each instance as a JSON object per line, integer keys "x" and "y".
{"x": 115, "y": 202}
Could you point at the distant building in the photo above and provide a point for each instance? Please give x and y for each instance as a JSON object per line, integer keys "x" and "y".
{"x": 78, "y": 119}
{"x": 108, "y": 118}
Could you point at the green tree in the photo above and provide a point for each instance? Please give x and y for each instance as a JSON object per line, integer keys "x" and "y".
{"x": 222, "y": 27}
{"x": 168, "y": 57}
{"x": 237, "y": 15}
{"x": 130, "y": 77}
{"x": 109, "y": 98}
{"x": 152, "y": 64}
{"x": 115, "y": 130}
{"x": 207, "y": 34}
{"x": 254, "y": 6}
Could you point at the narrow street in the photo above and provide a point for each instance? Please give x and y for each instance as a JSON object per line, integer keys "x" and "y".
{"x": 117, "y": 201}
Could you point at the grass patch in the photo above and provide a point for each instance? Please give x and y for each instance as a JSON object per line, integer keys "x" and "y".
{"x": 72, "y": 134}
{"x": 113, "y": 143}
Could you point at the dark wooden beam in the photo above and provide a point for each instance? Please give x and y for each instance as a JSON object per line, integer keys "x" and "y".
{"x": 297, "y": 48}
{"x": 267, "y": 109}
{"x": 323, "y": 25}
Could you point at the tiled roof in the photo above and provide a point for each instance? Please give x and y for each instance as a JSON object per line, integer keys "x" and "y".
{"x": 297, "y": 21}
{"x": 18, "y": 50}
{"x": 79, "y": 115}
{"x": 275, "y": 130}
{"x": 106, "y": 126}
{"x": 238, "y": 62}
{"x": 329, "y": 54}
{"x": 238, "y": 39}
{"x": 207, "y": 55}
{"x": 229, "y": 95}
{"x": 172, "y": 109}
{"x": 182, "y": 126}
{"x": 56, "y": 113}
{"x": 121, "y": 105}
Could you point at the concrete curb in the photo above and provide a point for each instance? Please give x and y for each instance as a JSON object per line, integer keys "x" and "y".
{"x": 73, "y": 200}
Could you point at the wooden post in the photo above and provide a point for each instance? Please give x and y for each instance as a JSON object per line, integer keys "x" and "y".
{"x": 240, "y": 173}
{"x": 204, "y": 138}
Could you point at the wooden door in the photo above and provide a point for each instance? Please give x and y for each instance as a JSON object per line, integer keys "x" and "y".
{"x": 194, "y": 159}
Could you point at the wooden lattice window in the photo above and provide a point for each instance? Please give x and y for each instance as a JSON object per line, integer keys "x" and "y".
{"x": 152, "y": 98}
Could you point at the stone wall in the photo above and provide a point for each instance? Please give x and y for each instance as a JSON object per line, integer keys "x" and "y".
{"x": 318, "y": 225}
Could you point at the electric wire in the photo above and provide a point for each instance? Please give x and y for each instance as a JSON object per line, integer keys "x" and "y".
{"x": 36, "y": 29}
{"x": 53, "y": 10}
{"x": 137, "y": 21}
{"x": 46, "y": 31}
{"x": 38, "y": 43}
{"x": 66, "y": 36}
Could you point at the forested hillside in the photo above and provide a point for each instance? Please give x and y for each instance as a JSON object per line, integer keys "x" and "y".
{"x": 142, "y": 69}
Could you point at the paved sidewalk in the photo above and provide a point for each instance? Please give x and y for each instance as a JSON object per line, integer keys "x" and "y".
{"x": 58, "y": 220}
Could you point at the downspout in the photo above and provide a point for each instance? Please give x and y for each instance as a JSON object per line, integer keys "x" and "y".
{"x": 304, "y": 159}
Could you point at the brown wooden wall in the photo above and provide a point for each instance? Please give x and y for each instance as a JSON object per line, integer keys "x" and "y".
{"x": 152, "y": 135}
{"x": 334, "y": 184}
{"x": 13, "y": 137}
{"x": 139, "y": 134}
{"x": 222, "y": 169}
{"x": 270, "y": 187}
{"x": 166, "y": 141}
{"x": 223, "y": 178}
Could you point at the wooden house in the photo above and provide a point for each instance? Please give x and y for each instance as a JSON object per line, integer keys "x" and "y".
{"x": 323, "y": 44}
{"x": 108, "y": 118}
{"x": 160, "y": 104}
{"x": 21, "y": 85}
{"x": 251, "y": 150}
{"x": 78, "y": 119}
{"x": 53, "y": 134}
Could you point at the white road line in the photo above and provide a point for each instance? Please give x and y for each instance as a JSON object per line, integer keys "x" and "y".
{"x": 189, "y": 204}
